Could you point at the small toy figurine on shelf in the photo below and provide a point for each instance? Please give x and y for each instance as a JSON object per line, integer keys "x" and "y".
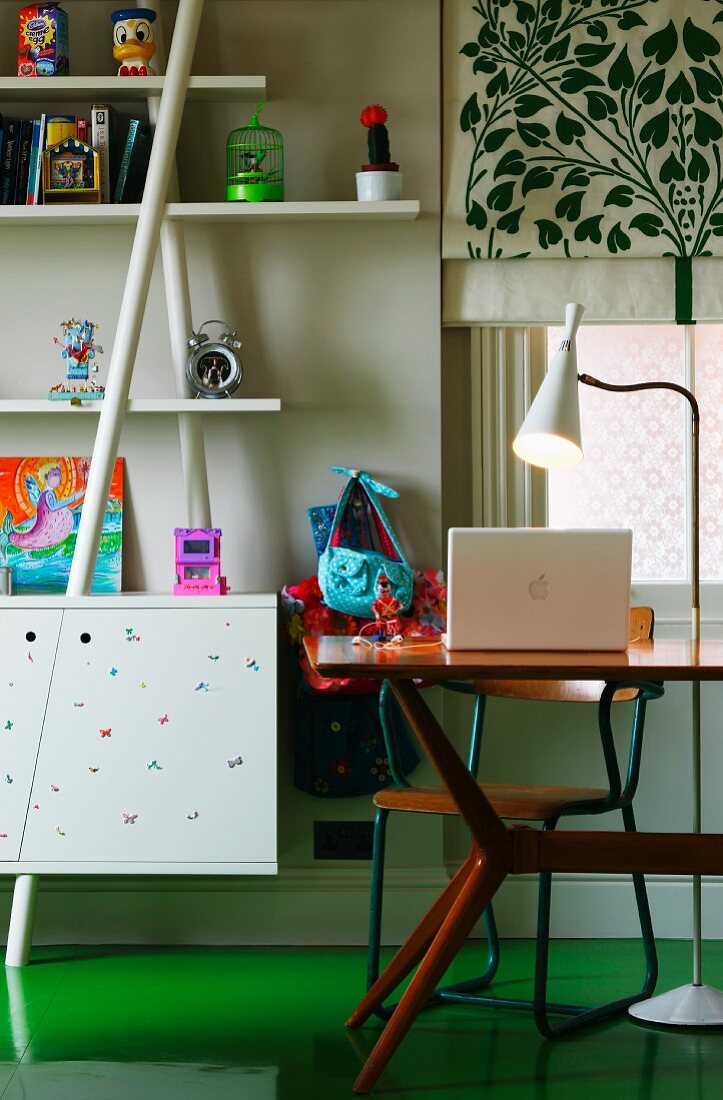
{"x": 198, "y": 562}
{"x": 133, "y": 43}
{"x": 71, "y": 173}
{"x": 79, "y": 350}
{"x": 380, "y": 178}
{"x": 386, "y": 608}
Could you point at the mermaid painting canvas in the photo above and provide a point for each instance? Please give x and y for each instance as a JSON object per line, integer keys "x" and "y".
{"x": 41, "y": 501}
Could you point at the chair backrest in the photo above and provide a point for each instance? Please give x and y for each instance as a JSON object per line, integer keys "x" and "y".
{"x": 642, "y": 621}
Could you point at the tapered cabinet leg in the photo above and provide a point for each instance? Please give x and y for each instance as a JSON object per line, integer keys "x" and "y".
{"x": 22, "y": 918}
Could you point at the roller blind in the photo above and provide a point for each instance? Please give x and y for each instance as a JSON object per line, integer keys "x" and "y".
{"x": 582, "y": 159}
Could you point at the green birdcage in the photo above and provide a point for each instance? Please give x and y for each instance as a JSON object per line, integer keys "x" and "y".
{"x": 255, "y": 163}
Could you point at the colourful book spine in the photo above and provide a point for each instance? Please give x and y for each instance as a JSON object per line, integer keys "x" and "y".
{"x": 9, "y": 165}
{"x": 135, "y": 180}
{"x": 101, "y": 138}
{"x": 60, "y": 127}
{"x": 82, "y": 130}
{"x": 38, "y": 185}
{"x": 126, "y": 160}
{"x": 30, "y": 196}
{"x": 21, "y": 179}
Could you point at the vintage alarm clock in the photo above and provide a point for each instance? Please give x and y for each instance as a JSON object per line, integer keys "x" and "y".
{"x": 213, "y": 367}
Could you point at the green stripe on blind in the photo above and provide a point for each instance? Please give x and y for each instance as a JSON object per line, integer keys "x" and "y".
{"x": 684, "y": 290}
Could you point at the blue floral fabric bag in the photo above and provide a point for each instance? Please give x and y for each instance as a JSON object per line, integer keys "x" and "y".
{"x": 362, "y": 546}
{"x": 339, "y": 749}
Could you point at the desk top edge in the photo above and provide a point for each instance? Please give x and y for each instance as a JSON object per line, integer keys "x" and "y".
{"x": 662, "y": 659}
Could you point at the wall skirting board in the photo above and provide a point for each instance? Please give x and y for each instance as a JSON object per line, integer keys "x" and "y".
{"x": 305, "y": 906}
{"x": 603, "y": 906}
{"x": 299, "y": 906}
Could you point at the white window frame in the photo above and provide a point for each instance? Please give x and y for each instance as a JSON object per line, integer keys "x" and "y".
{"x": 507, "y": 365}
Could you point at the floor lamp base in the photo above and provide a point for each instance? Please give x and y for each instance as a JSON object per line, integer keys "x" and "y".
{"x": 686, "y": 1006}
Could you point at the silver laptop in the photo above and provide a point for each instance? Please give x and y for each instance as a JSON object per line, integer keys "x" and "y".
{"x": 537, "y": 588}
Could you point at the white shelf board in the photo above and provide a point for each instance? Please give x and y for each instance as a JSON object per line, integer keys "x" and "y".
{"x": 100, "y": 89}
{"x": 249, "y": 212}
{"x": 397, "y": 210}
{"x": 148, "y": 405}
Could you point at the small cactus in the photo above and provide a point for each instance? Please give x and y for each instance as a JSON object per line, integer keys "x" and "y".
{"x": 374, "y": 118}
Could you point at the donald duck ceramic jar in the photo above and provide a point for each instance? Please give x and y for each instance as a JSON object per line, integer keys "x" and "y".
{"x": 133, "y": 44}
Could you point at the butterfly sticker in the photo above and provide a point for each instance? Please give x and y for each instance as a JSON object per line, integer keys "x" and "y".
{"x": 234, "y": 761}
{"x": 92, "y": 768}
{"x": 162, "y": 721}
{"x": 59, "y": 831}
{"x": 78, "y": 704}
{"x": 251, "y": 664}
{"x": 36, "y": 805}
{"x": 129, "y": 632}
{"x": 201, "y": 686}
{"x": 142, "y": 685}
{"x": 54, "y": 789}
{"x": 129, "y": 819}
{"x": 29, "y": 656}
{"x": 155, "y": 765}
{"x": 8, "y": 779}
{"x": 212, "y": 656}
{"x": 192, "y": 816}
{"x": 106, "y": 733}
{"x": 8, "y": 725}
{"x": 3, "y": 836}
{"x": 112, "y": 671}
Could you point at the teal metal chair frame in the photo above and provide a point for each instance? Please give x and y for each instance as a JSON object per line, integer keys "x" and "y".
{"x": 619, "y": 797}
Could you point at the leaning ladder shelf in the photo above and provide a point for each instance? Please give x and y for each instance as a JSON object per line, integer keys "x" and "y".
{"x": 156, "y": 219}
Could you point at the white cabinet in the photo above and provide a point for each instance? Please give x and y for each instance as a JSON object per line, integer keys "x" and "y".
{"x": 28, "y": 643}
{"x": 157, "y": 750}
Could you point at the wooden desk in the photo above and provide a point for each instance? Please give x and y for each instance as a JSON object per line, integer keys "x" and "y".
{"x": 498, "y": 850}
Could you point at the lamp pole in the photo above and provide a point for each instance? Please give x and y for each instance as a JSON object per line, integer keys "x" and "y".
{"x": 695, "y": 1004}
{"x": 550, "y": 436}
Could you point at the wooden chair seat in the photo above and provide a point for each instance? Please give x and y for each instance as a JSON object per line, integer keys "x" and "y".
{"x": 518, "y": 803}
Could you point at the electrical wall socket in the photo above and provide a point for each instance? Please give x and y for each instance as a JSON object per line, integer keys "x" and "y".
{"x": 343, "y": 839}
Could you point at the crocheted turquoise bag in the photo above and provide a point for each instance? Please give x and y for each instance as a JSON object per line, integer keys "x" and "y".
{"x": 362, "y": 546}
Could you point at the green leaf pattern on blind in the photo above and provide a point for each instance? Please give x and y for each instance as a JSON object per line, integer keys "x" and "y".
{"x": 593, "y": 127}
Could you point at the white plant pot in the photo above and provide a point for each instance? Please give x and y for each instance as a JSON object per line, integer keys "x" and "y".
{"x": 377, "y": 186}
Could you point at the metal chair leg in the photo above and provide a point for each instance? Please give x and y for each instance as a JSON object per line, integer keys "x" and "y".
{"x": 646, "y": 923}
{"x": 580, "y": 1016}
{"x": 376, "y": 896}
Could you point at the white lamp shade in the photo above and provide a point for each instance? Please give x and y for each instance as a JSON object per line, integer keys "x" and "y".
{"x": 550, "y": 434}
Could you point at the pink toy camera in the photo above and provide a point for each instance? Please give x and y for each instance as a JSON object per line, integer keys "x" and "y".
{"x": 198, "y": 562}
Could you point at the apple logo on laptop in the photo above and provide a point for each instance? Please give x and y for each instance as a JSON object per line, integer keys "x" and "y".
{"x": 540, "y": 589}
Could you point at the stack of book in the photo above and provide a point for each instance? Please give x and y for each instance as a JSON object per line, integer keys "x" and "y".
{"x": 123, "y": 154}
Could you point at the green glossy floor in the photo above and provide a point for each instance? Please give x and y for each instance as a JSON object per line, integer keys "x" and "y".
{"x": 268, "y": 1024}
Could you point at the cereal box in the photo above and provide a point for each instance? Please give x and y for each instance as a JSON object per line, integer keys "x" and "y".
{"x": 43, "y": 41}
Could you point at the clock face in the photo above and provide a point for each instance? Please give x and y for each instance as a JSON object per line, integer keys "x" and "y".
{"x": 214, "y": 370}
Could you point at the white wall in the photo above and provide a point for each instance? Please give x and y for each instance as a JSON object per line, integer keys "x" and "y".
{"x": 341, "y": 321}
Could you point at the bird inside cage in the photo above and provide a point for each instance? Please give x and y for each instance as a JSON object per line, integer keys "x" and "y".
{"x": 255, "y": 163}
